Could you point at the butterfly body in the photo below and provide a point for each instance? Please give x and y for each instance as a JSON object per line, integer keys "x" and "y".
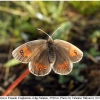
{"x": 51, "y": 53}
{"x": 44, "y": 55}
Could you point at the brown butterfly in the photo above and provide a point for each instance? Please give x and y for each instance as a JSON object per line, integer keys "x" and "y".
{"x": 44, "y": 55}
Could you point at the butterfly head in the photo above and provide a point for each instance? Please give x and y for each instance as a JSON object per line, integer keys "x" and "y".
{"x": 50, "y": 40}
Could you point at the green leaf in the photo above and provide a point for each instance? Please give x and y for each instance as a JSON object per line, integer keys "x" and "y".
{"x": 80, "y": 78}
{"x": 63, "y": 79}
{"x": 11, "y": 63}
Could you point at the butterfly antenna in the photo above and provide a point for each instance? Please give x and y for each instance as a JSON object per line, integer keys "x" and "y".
{"x": 55, "y": 31}
{"x": 43, "y": 32}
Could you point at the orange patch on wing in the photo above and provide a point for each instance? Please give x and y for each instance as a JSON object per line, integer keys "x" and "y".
{"x": 39, "y": 67}
{"x": 72, "y": 52}
{"x": 24, "y": 51}
{"x": 63, "y": 66}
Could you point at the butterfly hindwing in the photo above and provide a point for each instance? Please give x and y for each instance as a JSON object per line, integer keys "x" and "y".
{"x": 62, "y": 65}
{"x": 40, "y": 66}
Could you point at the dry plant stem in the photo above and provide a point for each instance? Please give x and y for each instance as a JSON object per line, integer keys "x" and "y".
{"x": 97, "y": 92}
{"x": 9, "y": 80}
{"x": 76, "y": 90}
{"x": 79, "y": 93}
{"x": 16, "y": 82}
{"x": 92, "y": 58}
{"x": 9, "y": 57}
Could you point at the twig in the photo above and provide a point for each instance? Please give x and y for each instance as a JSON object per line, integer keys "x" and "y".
{"x": 9, "y": 57}
{"x": 2, "y": 89}
{"x": 92, "y": 58}
{"x": 74, "y": 92}
{"x": 9, "y": 80}
{"x": 98, "y": 91}
{"x": 16, "y": 82}
{"x": 79, "y": 93}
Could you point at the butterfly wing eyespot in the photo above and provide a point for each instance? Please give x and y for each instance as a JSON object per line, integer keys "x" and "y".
{"x": 39, "y": 67}
{"x": 24, "y": 51}
{"x": 21, "y": 52}
{"x": 73, "y": 52}
{"x": 63, "y": 66}
{"x": 63, "y": 69}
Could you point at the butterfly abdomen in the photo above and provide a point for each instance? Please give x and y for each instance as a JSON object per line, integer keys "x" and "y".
{"x": 51, "y": 54}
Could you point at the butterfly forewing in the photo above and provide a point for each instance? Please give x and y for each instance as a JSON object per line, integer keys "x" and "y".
{"x": 71, "y": 51}
{"x": 26, "y": 52}
{"x": 40, "y": 66}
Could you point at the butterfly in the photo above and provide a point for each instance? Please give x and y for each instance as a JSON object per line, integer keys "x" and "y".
{"x": 45, "y": 55}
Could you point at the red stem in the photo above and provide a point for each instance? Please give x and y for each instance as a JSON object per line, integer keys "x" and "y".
{"x": 16, "y": 82}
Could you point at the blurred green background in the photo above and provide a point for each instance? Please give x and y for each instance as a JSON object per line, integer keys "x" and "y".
{"x": 80, "y": 25}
